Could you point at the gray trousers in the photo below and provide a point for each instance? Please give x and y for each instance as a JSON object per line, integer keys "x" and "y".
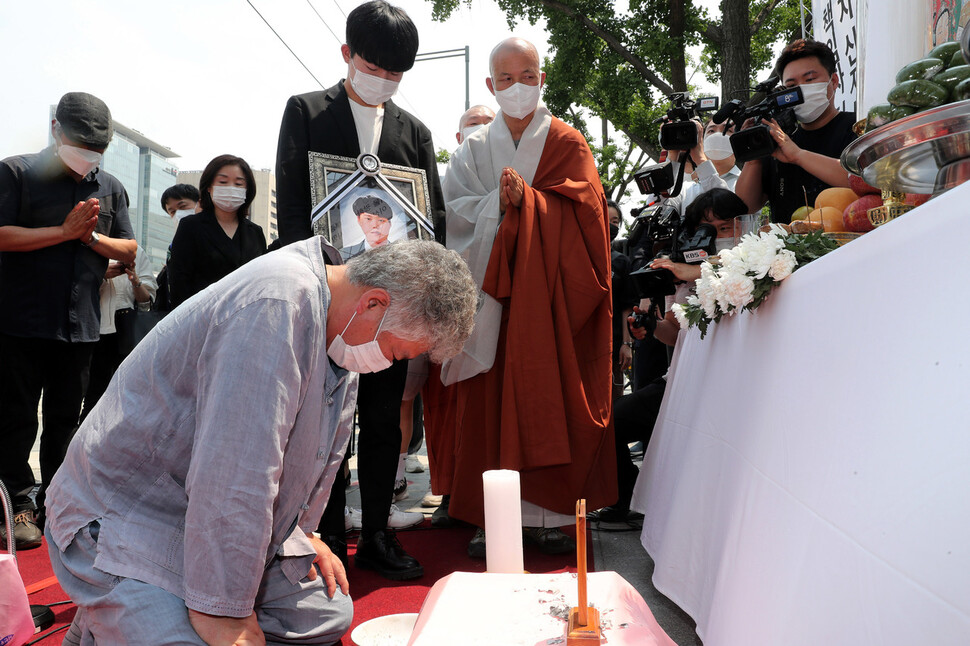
{"x": 116, "y": 610}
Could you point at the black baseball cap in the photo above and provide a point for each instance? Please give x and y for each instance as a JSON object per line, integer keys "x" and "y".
{"x": 85, "y": 119}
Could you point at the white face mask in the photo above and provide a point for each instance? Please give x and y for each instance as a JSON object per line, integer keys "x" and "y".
{"x": 181, "y": 213}
{"x": 717, "y": 146}
{"x": 372, "y": 90}
{"x": 467, "y": 130}
{"x": 80, "y": 160}
{"x": 816, "y": 97}
{"x": 366, "y": 357}
{"x": 720, "y": 244}
{"x": 228, "y": 198}
{"x": 519, "y": 100}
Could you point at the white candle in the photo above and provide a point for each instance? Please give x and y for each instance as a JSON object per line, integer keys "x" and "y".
{"x": 503, "y": 522}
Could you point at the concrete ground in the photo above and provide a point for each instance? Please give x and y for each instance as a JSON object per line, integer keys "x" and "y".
{"x": 615, "y": 547}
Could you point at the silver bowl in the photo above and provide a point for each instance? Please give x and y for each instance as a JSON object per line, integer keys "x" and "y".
{"x": 927, "y": 152}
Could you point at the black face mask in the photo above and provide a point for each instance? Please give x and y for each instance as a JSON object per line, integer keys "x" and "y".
{"x": 614, "y": 231}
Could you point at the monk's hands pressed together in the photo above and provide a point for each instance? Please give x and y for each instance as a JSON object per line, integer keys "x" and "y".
{"x": 511, "y": 189}
{"x": 330, "y": 567}
{"x": 227, "y": 631}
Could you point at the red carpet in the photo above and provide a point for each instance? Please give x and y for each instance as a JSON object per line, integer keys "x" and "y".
{"x": 440, "y": 551}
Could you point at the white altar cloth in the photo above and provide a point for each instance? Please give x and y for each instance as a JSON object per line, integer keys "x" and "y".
{"x": 480, "y": 609}
{"x": 808, "y": 479}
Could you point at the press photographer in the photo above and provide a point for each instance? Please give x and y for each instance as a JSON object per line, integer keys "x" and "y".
{"x": 709, "y": 226}
{"x": 753, "y": 139}
{"x": 691, "y": 147}
{"x": 806, "y": 162}
{"x": 635, "y": 414}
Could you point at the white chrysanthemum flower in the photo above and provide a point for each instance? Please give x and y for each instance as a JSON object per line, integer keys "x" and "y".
{"x": 707, "y": 270}
{"x": 723, "y": 302}
{"x": 783, "y": 265}
{"x": 738, "y": 290}
{"x": 678, "y": 311}
{"x": 707, "y": 292}
{"x": 757, "y": 254}
{"x": 731, "y": 258}
{"x": 774, "y": 239}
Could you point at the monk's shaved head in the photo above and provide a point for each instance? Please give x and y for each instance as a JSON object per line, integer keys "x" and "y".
{"x": 515, "y": 46}
{"x": 475, "y": 115}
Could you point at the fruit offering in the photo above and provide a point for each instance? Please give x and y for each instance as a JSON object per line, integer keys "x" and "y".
{"x": 856, "y": 215}
{"x": 829, "y": 217}
{"x": 836, "y": 198}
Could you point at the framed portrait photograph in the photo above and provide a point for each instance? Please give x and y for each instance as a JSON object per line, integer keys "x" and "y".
{"x": 361, "y": 203}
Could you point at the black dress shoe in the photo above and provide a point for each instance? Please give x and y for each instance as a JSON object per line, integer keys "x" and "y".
{"x": 549, "y": 540}
{"x": 338, "y": 546}
{"x": 441, "y": 517}
{"x": 613, "y": 514}
{"x": 476, "y": 547}
{"x": 384, "y": 554}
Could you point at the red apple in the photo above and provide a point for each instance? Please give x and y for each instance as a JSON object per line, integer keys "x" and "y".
{"x": 855, "y": 216}
{"x": 860, "y": 187}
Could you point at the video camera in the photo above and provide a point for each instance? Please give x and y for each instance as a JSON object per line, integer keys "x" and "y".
{"x": 678, "y": 131}
{"x": 756, "y": 142}
{"x": 662, "y": 232}
{"x": 655, "y": 179}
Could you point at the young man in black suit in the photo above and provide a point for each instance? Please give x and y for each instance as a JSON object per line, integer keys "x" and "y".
{"x": 352, "y": 117}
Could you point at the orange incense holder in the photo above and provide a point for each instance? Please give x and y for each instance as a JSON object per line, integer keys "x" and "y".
{"x": 584, "y": 621}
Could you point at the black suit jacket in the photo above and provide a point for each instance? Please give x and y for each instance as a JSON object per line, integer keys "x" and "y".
{"x": 323, "y": 122}
{"x": 202, "y": 253}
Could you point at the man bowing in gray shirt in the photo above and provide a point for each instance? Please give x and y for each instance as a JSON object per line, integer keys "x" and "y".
{"x": 184, "y": 509}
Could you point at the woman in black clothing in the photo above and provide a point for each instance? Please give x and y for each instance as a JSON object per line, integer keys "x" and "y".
{"x": 220, "y": 238}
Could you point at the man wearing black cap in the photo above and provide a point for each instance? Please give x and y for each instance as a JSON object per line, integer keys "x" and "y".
{"x": 61, "y": 220}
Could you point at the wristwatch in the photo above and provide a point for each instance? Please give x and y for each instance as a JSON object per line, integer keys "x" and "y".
{"x": 95, "y": 238}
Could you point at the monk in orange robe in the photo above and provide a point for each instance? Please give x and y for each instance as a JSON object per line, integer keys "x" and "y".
{"x": 526, "y": 210}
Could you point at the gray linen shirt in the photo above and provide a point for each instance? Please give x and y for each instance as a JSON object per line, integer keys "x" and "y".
{"x": 216, "y": 444}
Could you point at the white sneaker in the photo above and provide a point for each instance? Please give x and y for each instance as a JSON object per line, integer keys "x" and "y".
{"x": 431, "y": 500}
{"x": 348, "y": 519}
{"x": 352, "y": 518}
{"x": 399, "y": 519}
{"x": 413, "y": 465}
{"x": 396, "y": 519}
{"x": 400, "y": 490}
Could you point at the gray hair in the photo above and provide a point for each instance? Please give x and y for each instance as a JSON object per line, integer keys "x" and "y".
{"x": 433, "y": 295}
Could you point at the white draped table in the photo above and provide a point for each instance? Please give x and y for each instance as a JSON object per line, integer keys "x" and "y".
{"x": 808, "y": 479}
{"x": 480, "y": 609}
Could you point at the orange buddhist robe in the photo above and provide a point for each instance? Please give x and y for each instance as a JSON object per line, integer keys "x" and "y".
{"x": 543, "y": 409}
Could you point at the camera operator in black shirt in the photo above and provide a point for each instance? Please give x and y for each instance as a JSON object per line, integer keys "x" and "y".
{"x": 807, "y": 162}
